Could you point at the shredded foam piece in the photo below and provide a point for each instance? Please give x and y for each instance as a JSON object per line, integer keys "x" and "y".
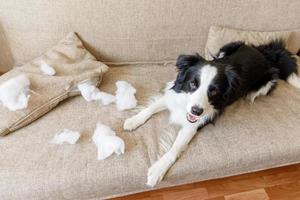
{"x": 125, "y": 98}
{"x": 67, "y": 135}
{"x": 91, "y": 93}
{"x": 107, "y": 142}
{"x": 14, "y": 93}
{"x": 105, "y": 98}
{"x": 47, "y": 69}
{"x": 88, "y": 91}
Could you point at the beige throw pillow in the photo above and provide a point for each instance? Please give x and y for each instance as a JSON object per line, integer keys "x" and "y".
{"x": 72, "y": 64}
{"x": 219, "y": 36}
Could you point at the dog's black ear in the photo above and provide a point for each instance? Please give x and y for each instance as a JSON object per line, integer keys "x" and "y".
{"x": 185, "y": 61}
{"x": 234, "y": 83}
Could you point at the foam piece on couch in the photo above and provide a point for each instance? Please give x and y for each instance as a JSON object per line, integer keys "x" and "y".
{"x": 67, "y": 136}
{"x": 218, "y": 36}
{"x": 90, "y": 92}
{"x": 47, "y": 69}
{"x": 73, "y": 64}
{"x": 14, "y": 93}
{"x": 107, "y": 142}
{"x": 125, "y": 96}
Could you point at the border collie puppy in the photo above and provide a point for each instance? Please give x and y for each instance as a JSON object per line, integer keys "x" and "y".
{"x": 204, "y": 88}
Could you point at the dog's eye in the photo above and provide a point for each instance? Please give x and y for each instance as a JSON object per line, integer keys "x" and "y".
{"x": 212, "y": 91}
{"x": 194, "y": 84}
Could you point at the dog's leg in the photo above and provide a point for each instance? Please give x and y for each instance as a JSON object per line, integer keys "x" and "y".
{"x": 294, "y": 80}
{"x": 139, "y": 119}
{"x": 263, "y": 91}
{"x": 157, "y": 171}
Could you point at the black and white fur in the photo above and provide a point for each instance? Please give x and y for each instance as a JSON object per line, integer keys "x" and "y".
{"x": 203, "y": 89}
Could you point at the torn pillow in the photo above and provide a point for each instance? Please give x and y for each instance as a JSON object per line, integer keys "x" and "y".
{"x": 125, "y": 98}
{"x": 67, "y": 135}
{"x": 14, "y": 93}
{"x": 107, "y": 142}
{"x": 73, "y": 64}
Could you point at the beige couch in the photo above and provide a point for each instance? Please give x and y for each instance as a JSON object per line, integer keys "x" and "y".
{"x": 144, "y": 37}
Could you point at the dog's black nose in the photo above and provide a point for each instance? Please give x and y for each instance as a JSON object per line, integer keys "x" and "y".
{"x": 196, "y": 110}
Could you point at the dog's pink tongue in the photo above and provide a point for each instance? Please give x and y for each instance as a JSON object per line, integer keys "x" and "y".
{"x": 192, "y": 117}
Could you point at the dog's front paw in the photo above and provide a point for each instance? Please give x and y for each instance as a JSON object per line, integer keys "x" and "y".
{"x": 158, "y": 170}
{"x": 132, "y": 123}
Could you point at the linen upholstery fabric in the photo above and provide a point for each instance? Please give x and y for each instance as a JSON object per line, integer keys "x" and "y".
{"x": 219, "y": 36}
{"x": 73, "y": 64}
{"x": 132, "y": 30}
{"x": 248, "y": 137}
{"x": 139, "y": 31}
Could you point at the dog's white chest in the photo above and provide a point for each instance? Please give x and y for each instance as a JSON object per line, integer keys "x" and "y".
{"x": 176, "y": 104}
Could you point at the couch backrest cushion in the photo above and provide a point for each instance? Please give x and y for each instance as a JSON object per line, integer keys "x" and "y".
{"x": 219, "y": 36}
{"x": 132, "y": 30}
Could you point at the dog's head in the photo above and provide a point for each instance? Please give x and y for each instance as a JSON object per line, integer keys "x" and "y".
{"x": 209, "y": 85}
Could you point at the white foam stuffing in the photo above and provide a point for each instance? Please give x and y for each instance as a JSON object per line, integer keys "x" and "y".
{"x": 107, "y": 142}
{"x": 125, "y": 96}
{"x": 47, "y": 69}
{"x": 14, "y": 93}
{"x": 88, "y": 91}
{"x": 91, "y": 93}
{"x": 67, "y": 135}
{"x": 105, "y": 98}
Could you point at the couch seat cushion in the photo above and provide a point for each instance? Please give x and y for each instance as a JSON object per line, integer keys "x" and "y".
{"x": 248, "y": 137}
